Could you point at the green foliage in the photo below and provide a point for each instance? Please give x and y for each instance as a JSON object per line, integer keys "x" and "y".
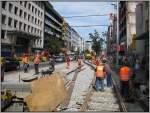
{"x": 97, "y": 42}
{"x": 54, "y": 44}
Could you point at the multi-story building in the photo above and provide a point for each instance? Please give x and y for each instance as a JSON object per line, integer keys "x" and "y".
{"x": 142, "y": 28}
{"x": 22, "y": 26}
{"x": 88, "y": 45}
{"x": 127, "y": 25}
{"x": 67, "y": 37}
{"x": 52, "y": 24}
{"x": 75, "y": 41}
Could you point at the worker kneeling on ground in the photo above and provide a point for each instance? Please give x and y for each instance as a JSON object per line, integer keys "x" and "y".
{"x": 125, "y": 75}
{"x": 100, "y": 75}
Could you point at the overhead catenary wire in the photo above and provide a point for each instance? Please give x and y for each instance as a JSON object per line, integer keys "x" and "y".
{"x": 85, "y": 16}
{"x": 91, "y": 26}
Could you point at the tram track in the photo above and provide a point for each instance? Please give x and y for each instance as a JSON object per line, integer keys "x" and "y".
{"x": 109, "y": 100}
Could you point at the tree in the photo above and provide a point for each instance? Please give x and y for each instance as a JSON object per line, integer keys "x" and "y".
{"x": 54, "y": 44}
{"x": 97, "y": 42}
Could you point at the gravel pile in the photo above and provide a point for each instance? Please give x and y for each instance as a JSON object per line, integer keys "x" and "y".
{"x": 82, "y": 83}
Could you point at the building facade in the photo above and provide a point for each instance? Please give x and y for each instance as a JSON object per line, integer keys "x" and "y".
{"x": 142, "y": 28}
{"x": 22, "y": 28}
{"x": 127, "y": 25}
{"x": 88, "y": 45}
{"x": 76, "y": 41}
{"x": 52, "y": 25}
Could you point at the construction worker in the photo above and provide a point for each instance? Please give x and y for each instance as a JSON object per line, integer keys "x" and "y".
{"x": 108, "y": 73}
{"x": 68, "y": 61}
{"x": 3, "y": 63}
{"x": 25, "y": 61}
{"x": 36, "y": 64}
{"x": 100, "y": 75}
{"x": 79, "y": 63}
{"x": 125, "y": 75}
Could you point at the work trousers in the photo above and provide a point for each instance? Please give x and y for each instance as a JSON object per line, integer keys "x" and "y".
{"x": 99, "y": 84}
{"x": 125, "y": 88}
{"x": 2, "y": 73}
{"x": 36, "y": 66}
{"x": 109, "y": 79}
{"x": 25, "y": 67}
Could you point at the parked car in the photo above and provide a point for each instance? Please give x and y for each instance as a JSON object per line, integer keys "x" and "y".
{"x": 60, "y": 58}
{"x": 11, "y": 64}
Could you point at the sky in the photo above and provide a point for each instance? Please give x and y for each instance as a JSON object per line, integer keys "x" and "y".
{"x": 66, "y": 9}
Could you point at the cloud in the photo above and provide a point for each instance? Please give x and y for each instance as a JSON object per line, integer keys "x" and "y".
{"x": 85, "y": 8}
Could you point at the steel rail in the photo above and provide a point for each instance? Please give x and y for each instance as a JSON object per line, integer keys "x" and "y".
{"x": 116, "y": 89}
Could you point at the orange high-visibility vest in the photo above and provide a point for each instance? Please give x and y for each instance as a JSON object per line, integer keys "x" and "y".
{"x": 100, "y": 71}
{"x": 26, "y": 60}
{"x": 124, "y": 73}
{"x": 37, "y": 60}
{"x": 79, "y": 62}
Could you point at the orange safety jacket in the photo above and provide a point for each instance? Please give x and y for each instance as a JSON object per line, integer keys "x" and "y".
{"x": 25, "y": 60}
{"x": 125, "y": 73}
{"x": 100, "y": 71}
{"x": 79, "y": 62}
{"x": 36, "y": 60}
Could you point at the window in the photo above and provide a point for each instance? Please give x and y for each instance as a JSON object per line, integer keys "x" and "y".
{"x": 41, "y": 23}
{"x": 10, "y": 22}
{"x": 38, "y": 22}
{"x": 20, "y": 2}
{"x": 31, "y": 29}
{"x": 25, "y": 15}
{"x": 20, "y": 25}
{"x": 28, "y": 28}
{"x": 3, "y": 34}
{"x": 41, "y": 14}
{"x": 35, "y": 30}
{"x": 10, "y": 7}
{"x": 25, "y": 4}
{"x": 16, "y": 10}
{"x": 3, "y": 19}
{"x": 40, "y": 42}
{"x": 28, "y": 17}
{"x": 32, "y": 8}
{"x": 4, "y": 4}
{"x": 35, "y": 20}
{"x": 29, "y": 6}
{"x": 15, "y": 23}
{"x": 24, "y": 27}
{"x": 20, "y": 14}
{"x": 32, "y": 19}
{"x": 35, "y": 10}
{"x": 38, "y": 13}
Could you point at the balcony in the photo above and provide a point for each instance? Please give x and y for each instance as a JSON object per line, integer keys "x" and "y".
{"x": 48, "y": 31}
{"x": 47, "y": 14}
{"x": 51, "y": 25}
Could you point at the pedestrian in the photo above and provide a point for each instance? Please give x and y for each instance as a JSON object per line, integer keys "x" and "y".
{"x": 25, "y": 61}
{"x": 3, "y": 63}
{"x": 100, "y": 75}
{"x": 79, "y": 63}
{"x": 52, "y": 62}
{"x": 68, "y": 61}
{"x": 125, "y": 75}
{"x": 36, "y": 64}
{"x": 108, "y": 74}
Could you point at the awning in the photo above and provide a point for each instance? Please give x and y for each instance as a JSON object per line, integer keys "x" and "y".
{"x": 143, "y": 36}
{"x": 23, "y": 34}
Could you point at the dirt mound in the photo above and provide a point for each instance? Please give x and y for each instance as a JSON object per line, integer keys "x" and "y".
{"x": 47, "y": 93}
